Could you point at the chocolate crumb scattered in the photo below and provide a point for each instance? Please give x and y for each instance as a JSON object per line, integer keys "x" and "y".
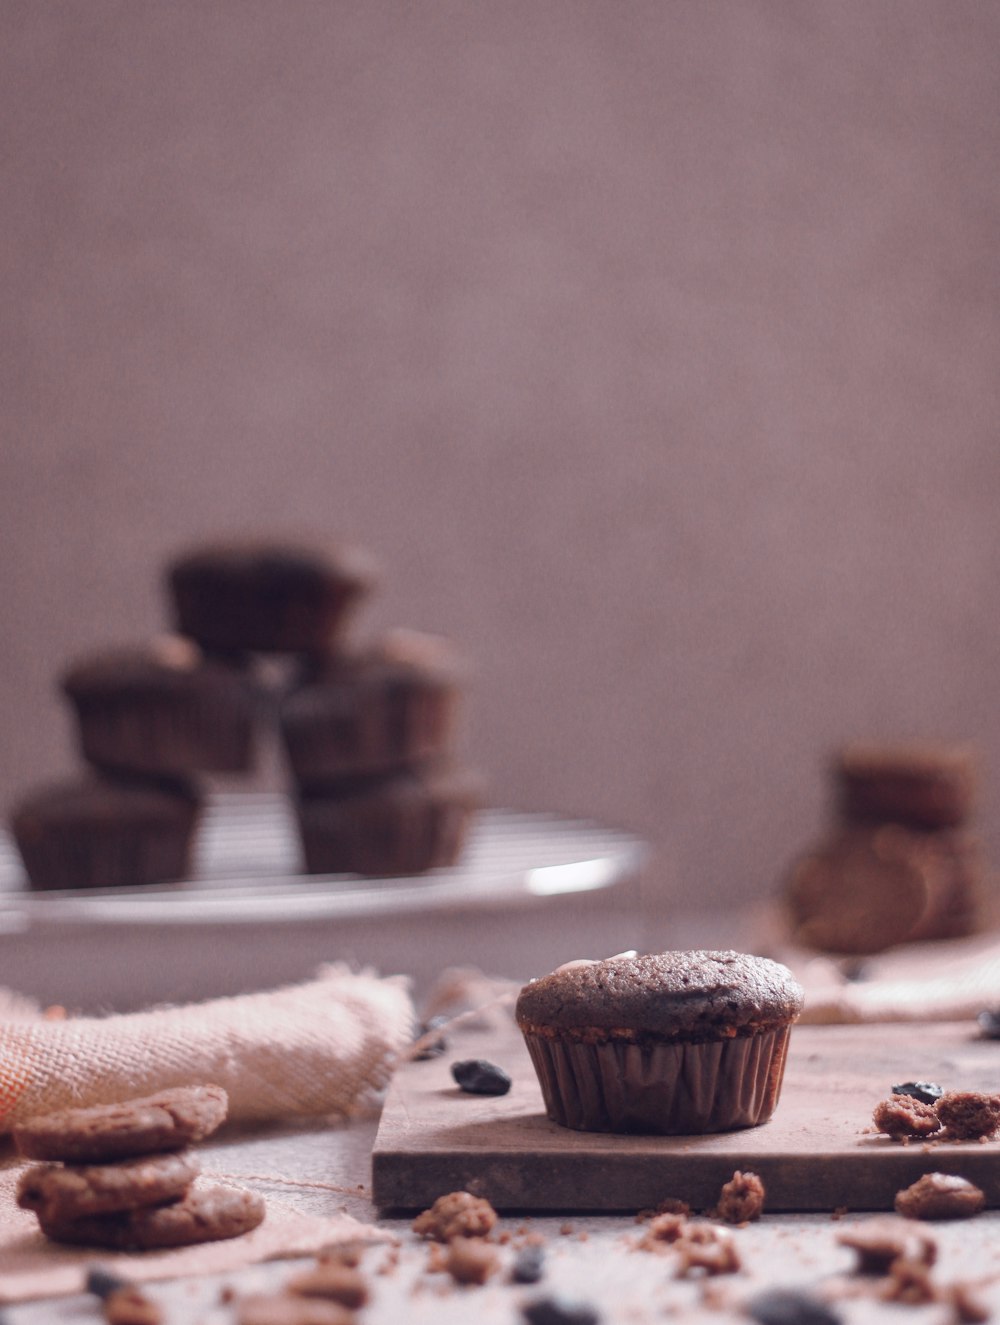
{"x": 940, "y": 1196}
{"x": 102, "y": 1282}
{"x": 903, "y": 1117}
{"x": 881, "y": 1241}
{"x": 839, "y": 1212}
{"x": 565, "y": 1230}
{"x": 529, "y": 1265}
{"x": 476, "y": 1076}
{"x": 558, "y": 1310}
{"x": 662, "y": 1231}
{"x": 741, "y": 1199}
{"x": 456, "y": 1215}
{"x": 908, "y": 1282}
{"x": 700, "y": 1254}
{"x": 130, "y": 1306}
{"x": 471, "y": 1261}
{"x": 670, "y": 1205}
{"x": 968, "y": 1115}
{"x": 336, "y": 1283}
{"x": 789, "y": 1306}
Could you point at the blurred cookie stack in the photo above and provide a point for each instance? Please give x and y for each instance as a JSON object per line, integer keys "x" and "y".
{"x": 368, "y": 729}
{"x": 124, "y": 1177}
{"x": 900, "y": 863}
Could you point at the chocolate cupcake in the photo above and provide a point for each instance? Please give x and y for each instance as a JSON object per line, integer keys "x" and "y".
{"x": 392, "y": 707}
{"x": 100, "y": 833}
{"x": 387, "y": 826}
{"x": 267, "y": 597}
{"x": 162, "y": 710}
{"x": 921, "y": 786}
{"x": 672, "y": 1043}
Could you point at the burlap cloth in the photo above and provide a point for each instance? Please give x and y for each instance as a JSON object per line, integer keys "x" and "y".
{"x": 315, "y": 1048}
{"x": 321, "y": 1048}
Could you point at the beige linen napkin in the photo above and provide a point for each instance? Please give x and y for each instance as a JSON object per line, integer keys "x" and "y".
{"x": 945, "y": 981}
{"x": 322, "y": 1047}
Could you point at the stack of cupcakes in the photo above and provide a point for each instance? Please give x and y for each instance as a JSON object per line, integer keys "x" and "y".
{"x": 369, "y": 731}
{"x": 900, "y": 863}
{"x": 369, "y": 741}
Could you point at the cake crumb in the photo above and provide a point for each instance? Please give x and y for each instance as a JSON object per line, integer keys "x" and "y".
{"x": 908, "y": 1282}
{"x": 902, "y": 1117}
{"x": 662, "y": 1231}
{"x": 457, "y": 1214}
{"x": 879, "y": 1242}
{"x": 940, "y": 1196}
{"x": 708, "y": 1251}
{"x": 741, "y": 1199}
{"x": 336, "y": 1283}
{"x": 471, "y": 1260}
{"x": 130, "y": 1306}
{"x": 969, "y": 1115}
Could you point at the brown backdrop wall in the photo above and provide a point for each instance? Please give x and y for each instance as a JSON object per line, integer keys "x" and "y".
{"x": 651, "y": 346}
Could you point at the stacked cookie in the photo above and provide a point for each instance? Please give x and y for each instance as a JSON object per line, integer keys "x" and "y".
{"x": 369, "y": 731}
{"x": 900, "y": 863}
{"x": 122, "y": 1176}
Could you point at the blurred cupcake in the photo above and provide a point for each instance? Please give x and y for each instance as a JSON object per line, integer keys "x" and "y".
{"x": 392, "y": 707}
{"x": 670, "y": 1043}
{"x": 100, "y": 833}
{"x": 162, "y": 710}
{"x": 267, "y": 597}
{"x": 920, "y": 786}
{"x": 388, "y": 826}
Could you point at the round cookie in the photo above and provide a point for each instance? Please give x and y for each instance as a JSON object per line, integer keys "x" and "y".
{"x": 204, "y": 1214}
{"x": 58, "y": 1192}
{"x": 669, "y": 1043}
{"x": 169, "y": 1120}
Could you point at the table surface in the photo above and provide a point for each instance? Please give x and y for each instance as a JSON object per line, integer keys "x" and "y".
{"x": 590, "y": 1257}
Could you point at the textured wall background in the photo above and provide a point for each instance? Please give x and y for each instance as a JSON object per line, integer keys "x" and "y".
{"x": 651, "y": 346}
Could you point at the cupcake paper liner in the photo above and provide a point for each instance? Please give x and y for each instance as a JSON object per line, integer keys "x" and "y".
{"x": 671, "y": 1088}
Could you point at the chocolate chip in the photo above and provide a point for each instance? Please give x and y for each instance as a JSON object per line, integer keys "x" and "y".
{"x": 789, "y": 1306}
{"x": 529, "y": 1265}
{"x": 478, "y": 1077}
{"x": 102, "y": 1282}
{"x": 927, "y": 1092}
{"x": 989, "y": 1023}
{"x": 433, "y": 1048}
{"x": 559, "y": 1311}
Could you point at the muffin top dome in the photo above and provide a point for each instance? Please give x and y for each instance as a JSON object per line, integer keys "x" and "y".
{"x": 685, "y": 995}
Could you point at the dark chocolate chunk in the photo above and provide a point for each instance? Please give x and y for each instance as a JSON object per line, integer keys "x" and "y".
{"x": 927, "y": 1092}
{"x": 790, "y": 1306}
{"x": 559, "y": 1311}
{"x": 433, "y": 1048}
{"x": 102, "y": 1282}
{"x": 529, "y": 1265}
{"x": 989, "y": 1023}
{"x": 478, "y": 1077}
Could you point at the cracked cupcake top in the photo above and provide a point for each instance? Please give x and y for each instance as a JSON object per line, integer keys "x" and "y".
{"x": 688, "y": 995}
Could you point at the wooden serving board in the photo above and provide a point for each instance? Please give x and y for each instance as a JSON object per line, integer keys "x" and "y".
{"x": 819, "y": 1151}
